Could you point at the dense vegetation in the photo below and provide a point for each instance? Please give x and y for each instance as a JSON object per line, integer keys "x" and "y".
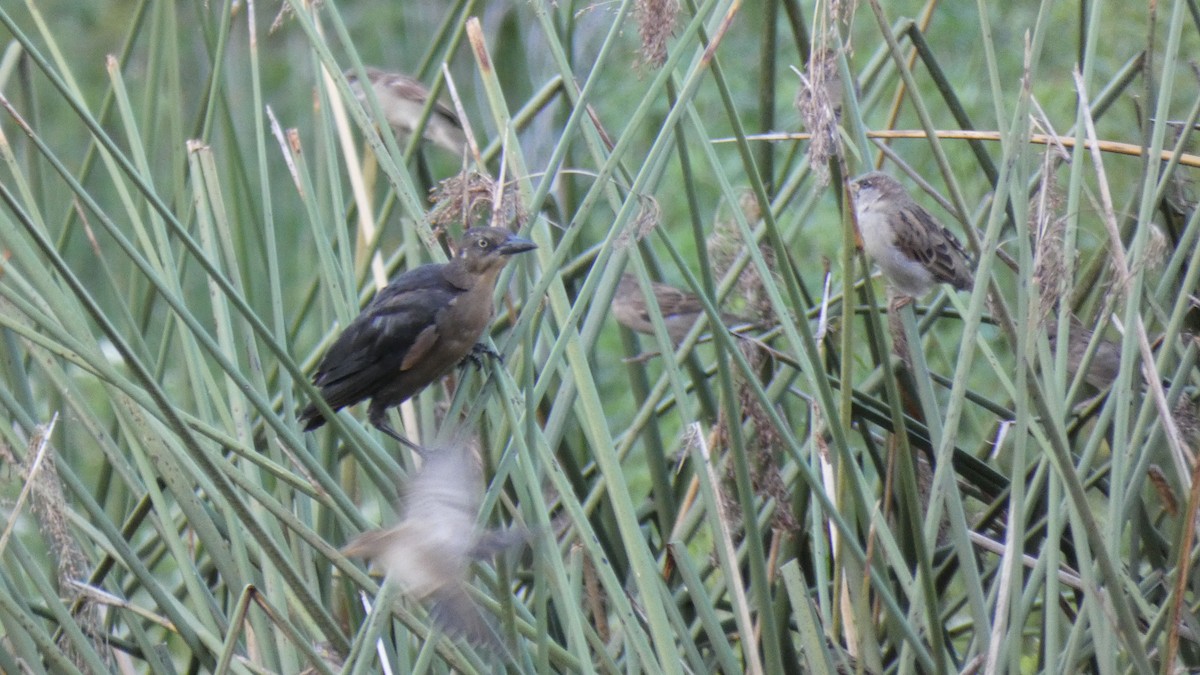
{"x": 194, "y": 204}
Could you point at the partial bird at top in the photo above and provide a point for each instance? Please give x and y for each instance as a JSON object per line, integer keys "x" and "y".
{"x": 402, "y": 98}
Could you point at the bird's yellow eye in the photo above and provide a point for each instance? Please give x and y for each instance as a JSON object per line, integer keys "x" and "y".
{"x": 483, "y": 243}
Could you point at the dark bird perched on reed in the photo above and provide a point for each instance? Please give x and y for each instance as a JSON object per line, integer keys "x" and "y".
{"x": 430, "y": 551}
{"x": 402, "y": 98}
{"x": 415, "y": 330}
{"x": 679, "y": 309}
{"x": 911, "y": 248}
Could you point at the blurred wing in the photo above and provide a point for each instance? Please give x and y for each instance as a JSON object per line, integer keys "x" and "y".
{"x": 922, "y": 239}
{"x": 372, "y": 544}
{"x": 456, "y": 614}
{"x": 445, "y": 496}
{"x": 491, "y": 543}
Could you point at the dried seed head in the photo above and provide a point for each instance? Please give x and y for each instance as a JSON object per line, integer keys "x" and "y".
{"x": 724, "y": 245}
{"x": 49, "y": 507}
{"x": 1187, "y": 419}
{"x": 751, "y": 209}
{"x": 765, "y": 462}
{"x": 819, "y": 101}
{"x": 1050, "y": 271}
{"x": 648, "y": 217}
{"x": 1157, "y": 250}
{"x": 820, "y": 90}
{"x": 470, "y": 196}
{"x": 656, "y": 21}
{"x": 841, "y": 11}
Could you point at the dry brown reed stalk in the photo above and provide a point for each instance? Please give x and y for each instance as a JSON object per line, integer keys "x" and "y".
{"x": 731, "y": 511}
{"x": 1166, "y": 494}
{"x": 895, "y": 324}
{"x": 1113, "y": 147}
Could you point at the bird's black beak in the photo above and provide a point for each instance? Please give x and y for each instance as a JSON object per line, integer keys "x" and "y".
{"x": 515, "y": 244}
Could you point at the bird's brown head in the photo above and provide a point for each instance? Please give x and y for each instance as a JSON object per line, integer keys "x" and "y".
{"x": 373, "y": 76}
{"x": 874, "y": 186}
{"x": 486, "y": 249}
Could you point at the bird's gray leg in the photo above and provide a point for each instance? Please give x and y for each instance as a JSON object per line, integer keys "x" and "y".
{"x": 378, "y": 418}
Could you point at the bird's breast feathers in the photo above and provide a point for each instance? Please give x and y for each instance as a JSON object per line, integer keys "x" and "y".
{"x": 878, "y": 237}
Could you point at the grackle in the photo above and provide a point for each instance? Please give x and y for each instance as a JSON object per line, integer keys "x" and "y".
{"x": 679, "y": 309}
{"x": 415, "y": 330}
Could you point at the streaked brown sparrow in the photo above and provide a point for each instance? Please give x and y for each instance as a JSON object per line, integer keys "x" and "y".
{"x": 402, "y": 98}
{"x": 1106, "y": 358}
{"x": 912, "y": 249}
{"x": 679, "y": 309}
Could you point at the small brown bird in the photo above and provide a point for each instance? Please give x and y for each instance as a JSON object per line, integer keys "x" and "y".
{"x": 402, "y": 98}
{"x": 415, "y": 330}
{"x": 679, "y": 309}
{"x": 1106, "y": 358}
{"x": 431, "y": 549}
{"x": 911, "y": 248}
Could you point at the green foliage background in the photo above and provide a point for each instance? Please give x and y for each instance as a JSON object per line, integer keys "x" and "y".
{"x": 181, "y": 240}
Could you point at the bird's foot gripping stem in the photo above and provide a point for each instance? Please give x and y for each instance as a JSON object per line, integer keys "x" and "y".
{"x": 477, "y": 353}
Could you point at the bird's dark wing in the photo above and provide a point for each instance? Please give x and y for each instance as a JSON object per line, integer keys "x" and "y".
{"x": 923, "y": 239}
{"x": 391, "y": 334}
